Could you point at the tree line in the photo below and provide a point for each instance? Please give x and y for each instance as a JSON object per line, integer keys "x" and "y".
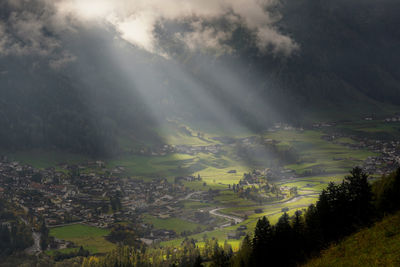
{"x": 14, "y": 237}
{"x": 340, "y": 210}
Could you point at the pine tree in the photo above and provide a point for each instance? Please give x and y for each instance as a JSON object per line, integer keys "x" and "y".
{"x": 244, "y": 256}
{"x": 262, "y": 239}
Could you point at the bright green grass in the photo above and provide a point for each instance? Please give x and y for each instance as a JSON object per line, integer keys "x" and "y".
{"x": 173, "y": 133}
{"x": 175, "y": 224}
{"x": 221, "y": 175}
{"x": 375, "y": 246}
{"x": 195, "y": 205}
{"x": 91, "y": 238}
{"x": 198, "y": 186}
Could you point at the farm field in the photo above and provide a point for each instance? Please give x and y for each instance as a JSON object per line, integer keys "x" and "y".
{"x": 91, "y": 238}
{"x": 176, "y": 224}
{"x": 44, "y": 159}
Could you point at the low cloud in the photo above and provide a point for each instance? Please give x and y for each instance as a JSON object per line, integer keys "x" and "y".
{"x": 28, "y": 29}
{"x": 32, "y": 25}
{"x": 205, "y": 37}
{"x": 23, "y": 33}
{"x": 62, "y": 60}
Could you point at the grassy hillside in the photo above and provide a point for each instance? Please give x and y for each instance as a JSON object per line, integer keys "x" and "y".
{"x": 375, "y": 246}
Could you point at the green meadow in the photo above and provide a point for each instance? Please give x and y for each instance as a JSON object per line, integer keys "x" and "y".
{"x": 175, "y": 224}
{"x": 317, "y": 153}
{"x": 91, "y": 238}
{"x": 44, "y": 159}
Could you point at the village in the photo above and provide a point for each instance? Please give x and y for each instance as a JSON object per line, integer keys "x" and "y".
{"x": 388, "y": 152}
{"x": 92, "y": 195}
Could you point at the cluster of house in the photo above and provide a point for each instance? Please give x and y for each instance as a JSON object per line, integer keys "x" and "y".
{"x": 323, "y": 124}
{"x": 156, "y": 151}
{"x": 385, "y": 163}
{"x": 184, "y": 149}
{"x": 94, "y": 195}
{"x": 392, "y": 119}
{"x": 284, "y": 126}
{"x": 387, "y": 160}
{"x": 61, "y": 196}
{"x": 240, "y": 231}
{"x": 192, "y": 150}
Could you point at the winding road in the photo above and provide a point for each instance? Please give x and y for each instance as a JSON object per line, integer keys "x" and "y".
{"x": 230, "y": 217}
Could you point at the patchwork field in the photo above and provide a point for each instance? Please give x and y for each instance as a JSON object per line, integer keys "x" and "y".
{"x": 318, "y": 161}
{"x": 333, "y": 160}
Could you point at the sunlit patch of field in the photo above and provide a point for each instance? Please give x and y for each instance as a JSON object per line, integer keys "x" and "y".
{"x": 196, "y": 204}
{"x": 91, "y": 238}
{"x": 314, "y": 183}
{"x": 175, "y": 133}
{"x": 179, "y": 138}
{"x": 221, "y": 175}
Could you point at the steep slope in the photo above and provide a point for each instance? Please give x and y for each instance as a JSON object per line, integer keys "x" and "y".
{"x": 375, "y": 246}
